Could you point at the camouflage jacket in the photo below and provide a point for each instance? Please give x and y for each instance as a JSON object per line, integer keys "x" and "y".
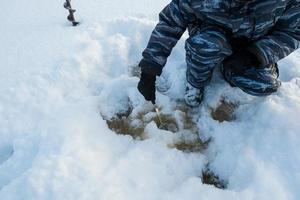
{"x": 272, "y": 26}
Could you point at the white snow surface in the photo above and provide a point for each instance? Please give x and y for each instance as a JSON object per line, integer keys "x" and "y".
{"x": 56, "y": 79}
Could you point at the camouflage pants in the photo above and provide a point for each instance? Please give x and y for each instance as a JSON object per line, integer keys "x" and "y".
{"x": 208, "y": 47}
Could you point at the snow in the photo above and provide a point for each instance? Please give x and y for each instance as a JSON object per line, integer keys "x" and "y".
{"x": 57, "y": 79}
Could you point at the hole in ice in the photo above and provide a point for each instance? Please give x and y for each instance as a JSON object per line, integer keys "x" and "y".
{"x": 134, "y": 125}
{"x": 178, "y": 122}
{"x": 224, "y": 111}
{"x": 5, "y": 153}
{"x": 195, "y": 145}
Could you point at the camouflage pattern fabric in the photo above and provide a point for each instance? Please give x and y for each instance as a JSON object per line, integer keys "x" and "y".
{"x": 257, "y": 81}
{"x": 205, "y": 50}
{"x": 270, "y": 29}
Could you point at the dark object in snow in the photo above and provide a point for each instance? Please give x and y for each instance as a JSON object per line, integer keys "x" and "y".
{"x": 71, "y": 18}
{"x": 210, "y": 178}
{"x": 146, "y": 86}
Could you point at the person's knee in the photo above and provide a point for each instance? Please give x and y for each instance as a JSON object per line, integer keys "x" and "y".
{"x": 261, "y": 89}
{"x": 209, "y": 45}
{"x": 255, "y": 81}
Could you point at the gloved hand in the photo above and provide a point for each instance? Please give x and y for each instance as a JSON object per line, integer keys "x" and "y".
{"x": 146, "y": 86}
{"x": 241, "y": 60}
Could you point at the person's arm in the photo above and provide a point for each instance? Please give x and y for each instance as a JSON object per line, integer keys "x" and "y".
{"x": 283, "y": 39}
{"x": 172, "y": 24}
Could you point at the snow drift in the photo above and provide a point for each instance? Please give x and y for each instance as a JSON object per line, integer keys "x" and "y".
{"x": 57, "y": 83}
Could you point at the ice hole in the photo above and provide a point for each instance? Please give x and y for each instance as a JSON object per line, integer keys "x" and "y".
{"x": 224, "y": 111}
{"x": 178, "y": 122}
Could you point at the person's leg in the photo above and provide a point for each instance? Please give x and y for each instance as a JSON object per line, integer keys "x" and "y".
{"x": 205, "y": 49}
{"x": 257, "y": 81}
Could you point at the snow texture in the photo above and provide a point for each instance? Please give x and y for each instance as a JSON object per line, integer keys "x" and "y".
{"x": 57, "y": 79}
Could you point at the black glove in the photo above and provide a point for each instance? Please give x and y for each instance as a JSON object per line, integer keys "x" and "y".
{"x": 146, "y": 86}
{"x": 241, "y": 60}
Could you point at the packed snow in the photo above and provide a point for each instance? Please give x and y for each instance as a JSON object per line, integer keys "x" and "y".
{"x": 59, "y": 84}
